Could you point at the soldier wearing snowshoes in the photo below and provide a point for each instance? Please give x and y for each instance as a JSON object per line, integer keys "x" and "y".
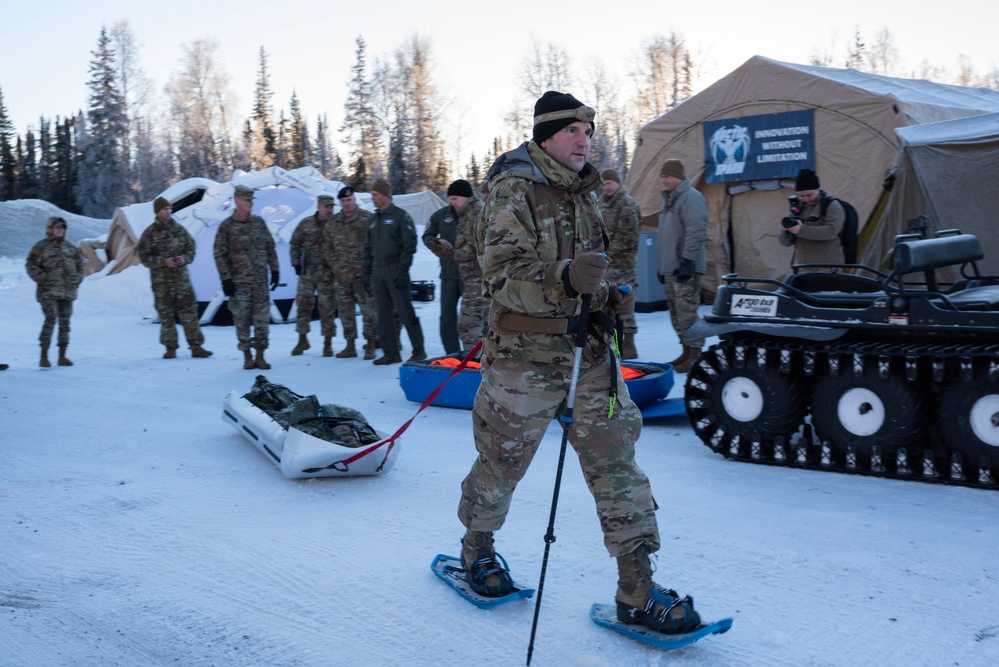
{"x": 312, "y": 260}
{"x": 57, "y": 266}
{"x": 244, "y": 249}
{"x": 166, "y": 249}
{"x": 622, "y": 220}
{"x": 544, "y": 249}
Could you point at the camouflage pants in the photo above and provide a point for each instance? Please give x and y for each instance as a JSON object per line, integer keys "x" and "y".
{"x": 474, "y": 317}
{"x": 625, "y": 277}
{"x": 251, "y": 306}
{"x": 177, "y": 303}
{"x": 451, "y": 289}
{"x": 515, "y": 405}
{"x": 319, "y": 291}
{"x": 55, "y": 309}
{"x": 683, "y": 299}
{"x": 350, "y": 295}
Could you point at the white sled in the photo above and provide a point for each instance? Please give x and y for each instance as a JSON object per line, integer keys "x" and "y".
{"x": 299, "y": 454}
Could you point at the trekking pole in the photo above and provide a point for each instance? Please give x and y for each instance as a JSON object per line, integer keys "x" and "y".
{"x": 567, "y": 419}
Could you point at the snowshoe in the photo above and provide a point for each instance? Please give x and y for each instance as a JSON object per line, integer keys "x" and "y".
{"x": 449, "y": 570}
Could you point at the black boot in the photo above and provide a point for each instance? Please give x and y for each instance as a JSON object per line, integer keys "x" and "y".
{"x": 485, "y": 572}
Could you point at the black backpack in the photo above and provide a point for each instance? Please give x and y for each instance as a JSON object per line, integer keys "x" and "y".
{"x": 847, "y": 237}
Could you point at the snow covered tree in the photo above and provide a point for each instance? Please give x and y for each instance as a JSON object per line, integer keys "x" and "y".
{"x": 325, "y": 156}
{"x": 262, "y": 118}
{"x": 299, "y": 146}
{"x": 102, "y": 173}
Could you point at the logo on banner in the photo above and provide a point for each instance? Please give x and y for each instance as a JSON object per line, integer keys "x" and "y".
{"x": 730, "y": 149}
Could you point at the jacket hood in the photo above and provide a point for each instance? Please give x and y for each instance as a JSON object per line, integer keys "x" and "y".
{"x": 531, "y": 162}
{"x": 52, "y": 222}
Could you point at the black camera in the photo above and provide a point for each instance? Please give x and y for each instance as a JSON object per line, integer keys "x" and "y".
{"x": 794, "y": 204}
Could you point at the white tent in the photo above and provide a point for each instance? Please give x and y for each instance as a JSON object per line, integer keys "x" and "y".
{"x": 283, "y": 198}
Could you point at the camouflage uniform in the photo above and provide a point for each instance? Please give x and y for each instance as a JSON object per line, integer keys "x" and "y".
{"x": 346, "y": 238}
{"x": 444, "y": 225}
{"x": 57, "y": 266}
{"x": 310, "y": 250}
{"x": 474, "y": 305}
{"x": 389, "y": 247}
{"x": 173, "y": 294}
{"x": 683, "y": 233}
{"x": 538, "y": 217}
{"x": 622, "y": 220}
{"x": 244, "y": 249}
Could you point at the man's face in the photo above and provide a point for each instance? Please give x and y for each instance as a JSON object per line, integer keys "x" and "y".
{"x": 59, "y": 231}
{"x": 324, "y": 212}
{"x": 670, "y": 182}
{"x": 808, "y": 197}
{"x": 610, "y": 188}
{"x": 380, "y": 201}
{"x": 457, "y": 201}
{"x": 348, "y": 205}
{"x": 243, "y": 206}
{"x": 164, "y": 213}
{"x": 570, "y": 146}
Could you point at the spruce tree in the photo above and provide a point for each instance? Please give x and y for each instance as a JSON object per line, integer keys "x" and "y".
{"x": 8, "y": 165}
{"x": 360, "y": 129}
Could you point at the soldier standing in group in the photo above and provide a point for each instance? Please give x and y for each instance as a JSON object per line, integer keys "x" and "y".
{"x": 388, "y": 253}
{"x": 439, "y": 236}
{"x": 346, "y": 233}
{"x": 244, "y": 249}
{"x": 166, "y": 249}
{"x": 57, "y": 266}
{"x": 474, "y": 306}
{"x": 312, "y": 259}
{"x": 622, "y": 220}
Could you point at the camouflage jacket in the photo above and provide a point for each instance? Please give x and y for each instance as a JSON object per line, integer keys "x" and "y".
{"x": 539, "y": 215}
{"x": 391, "y": 239}
{"x": 56, "y": 265}
{"x": 244, "y": 249}
{"x": 346, "y": 239}
{"x": 161, "y": 240}
{"x": 465, "y": 254}
{"x": 310, "y": 248}
{"x": 622, "y": 220}
{"x": 443, "y": 225}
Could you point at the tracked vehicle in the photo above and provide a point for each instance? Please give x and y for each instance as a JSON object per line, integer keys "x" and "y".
{"x": 850, "y": 369}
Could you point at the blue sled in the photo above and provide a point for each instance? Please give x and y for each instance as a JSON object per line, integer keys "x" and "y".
{"x": 450, "y": 571}
{"x": 606, "y": 615}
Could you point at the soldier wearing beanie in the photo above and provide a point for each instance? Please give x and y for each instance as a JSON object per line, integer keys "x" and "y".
{"x": 166, "y": 248}
{"x": 388, "y": 255}
{"x": 814, "y": 234}
{"x": 57, "y": 266}
{"x": 312, "y": 260}
{"x": 543, "y": 250}
{"x": 440, "y": 236}
{"x": 474, "y": 314}
{"x": 622, "y": 220}
{"x": 683, "y": 240}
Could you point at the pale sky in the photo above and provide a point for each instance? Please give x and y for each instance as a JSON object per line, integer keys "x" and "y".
{"x": 477, "y": 47}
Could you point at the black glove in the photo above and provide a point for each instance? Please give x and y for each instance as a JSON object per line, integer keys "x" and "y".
{"x": 622, "y": 302}
{"x": 662, "y": 279}
{"x": 298, "y": 269}
{"x": 402, "y": 280}
{"x": 685, "y": 272}
{"x": 228, "y": 287}
{"x": 584, "y": 273}
{"x": 275, "y": 279}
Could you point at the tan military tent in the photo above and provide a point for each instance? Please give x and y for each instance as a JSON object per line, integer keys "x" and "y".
{"x": 855, "y": 118}
{"x": 945, "y": 171}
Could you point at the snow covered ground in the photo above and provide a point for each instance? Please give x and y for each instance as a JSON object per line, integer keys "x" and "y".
{"x": 136, "y": 528}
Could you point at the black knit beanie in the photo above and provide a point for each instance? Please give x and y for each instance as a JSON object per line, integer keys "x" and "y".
{"x": 806, "y": 180}
{"x": 554, "y": 101}
{"x": 460, "y": 188}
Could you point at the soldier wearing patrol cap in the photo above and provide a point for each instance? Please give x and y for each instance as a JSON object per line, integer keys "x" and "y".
{"x": 244, "y": 249}
{"x": 312, "y": 259}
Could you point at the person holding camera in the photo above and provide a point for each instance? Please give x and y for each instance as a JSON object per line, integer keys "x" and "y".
{"x": 683, "y": 249}
{"x": 814, "y": 235}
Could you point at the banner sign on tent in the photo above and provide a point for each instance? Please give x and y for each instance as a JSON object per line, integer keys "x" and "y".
{"x": 757, "y": 148}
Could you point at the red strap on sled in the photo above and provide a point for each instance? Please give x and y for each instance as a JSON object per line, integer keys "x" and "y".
{"x": 343, "y": 465}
